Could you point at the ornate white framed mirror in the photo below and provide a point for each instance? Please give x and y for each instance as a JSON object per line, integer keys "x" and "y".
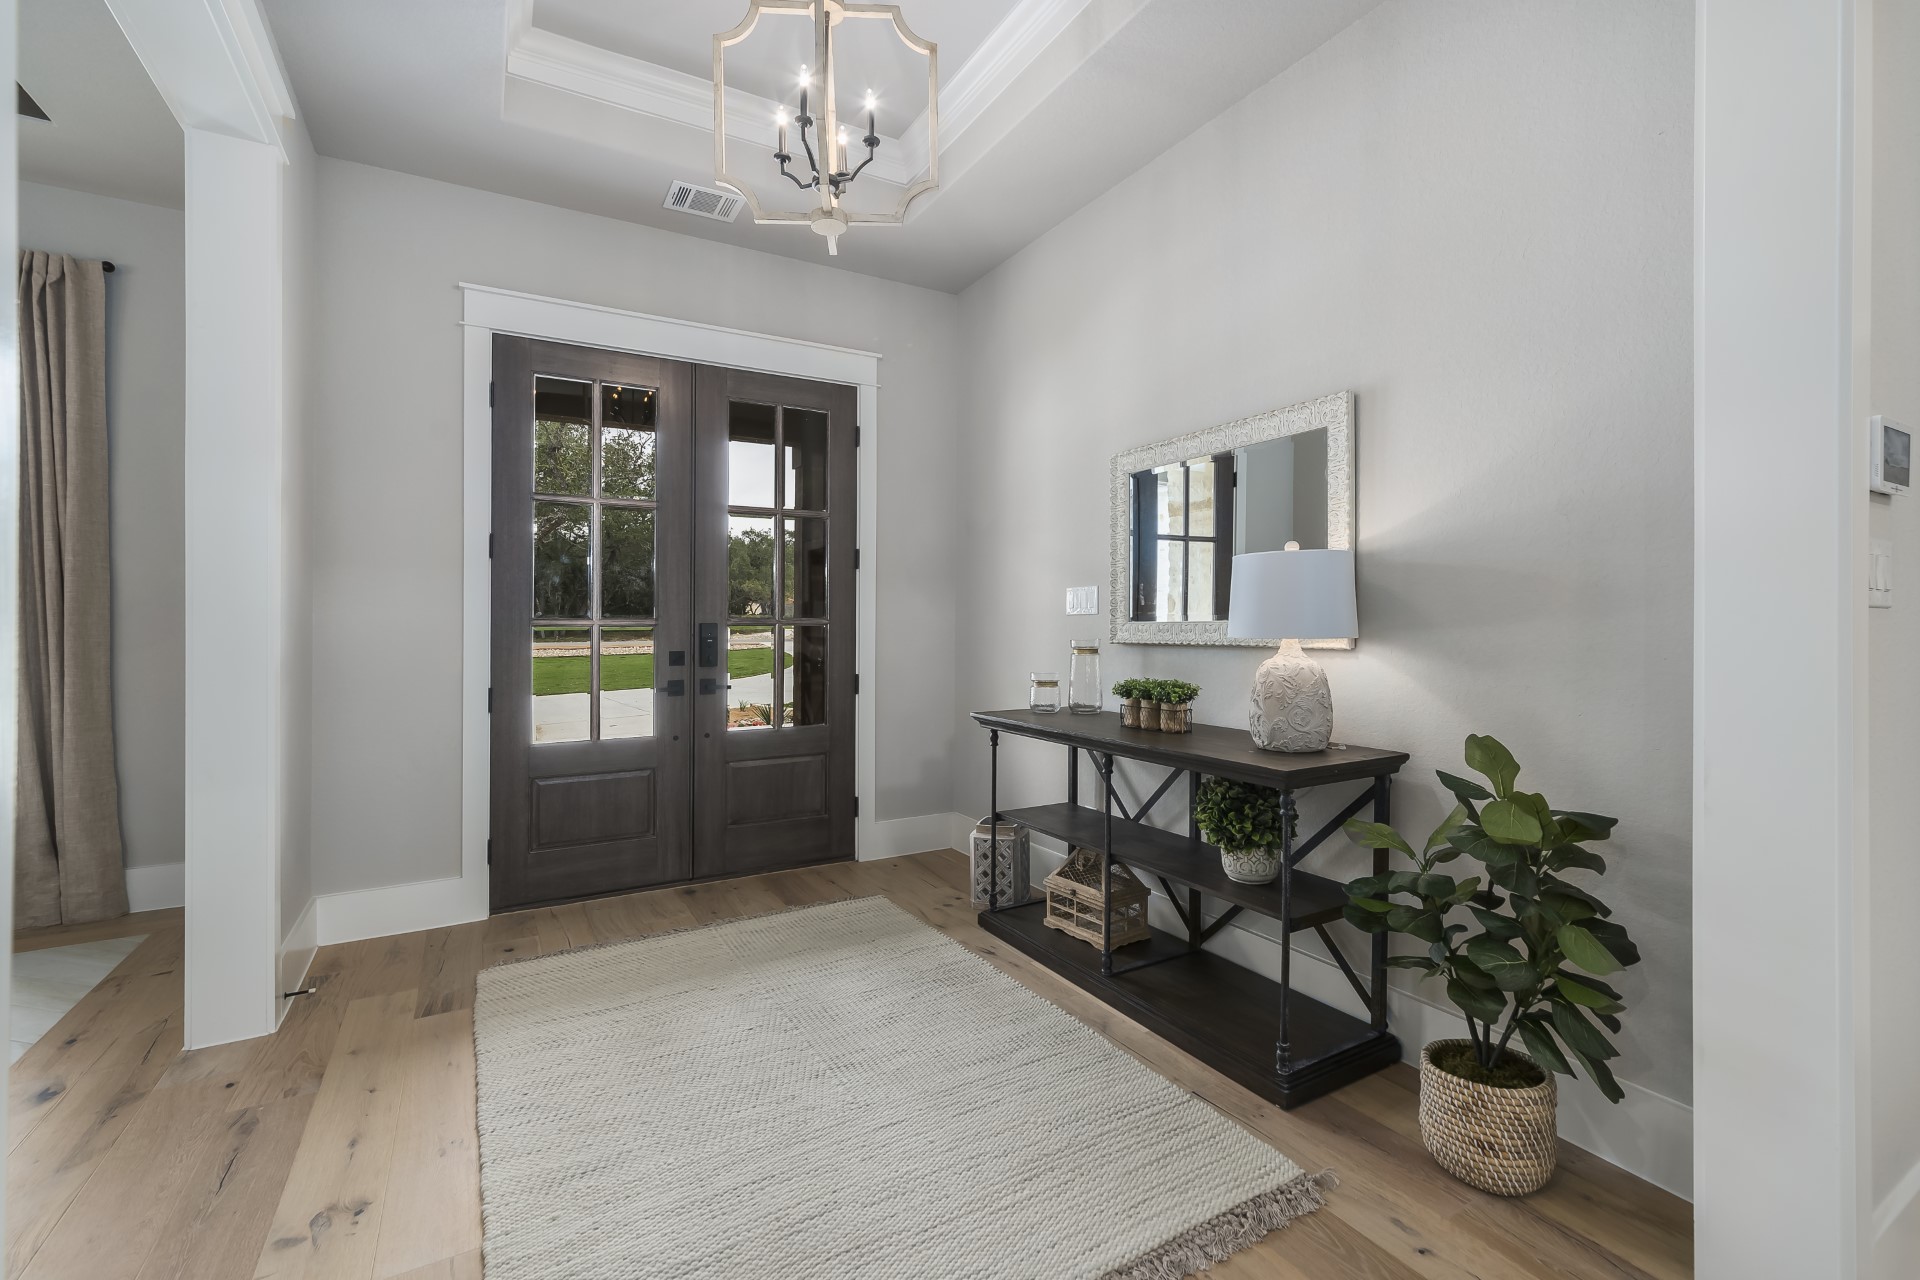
{"x": 1183, "y": 508}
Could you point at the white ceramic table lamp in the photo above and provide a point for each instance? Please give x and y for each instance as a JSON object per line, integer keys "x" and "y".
{"x": 1299, "y": 595}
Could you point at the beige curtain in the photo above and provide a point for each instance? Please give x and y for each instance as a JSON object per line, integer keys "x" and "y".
{"x": 67, "y": 812}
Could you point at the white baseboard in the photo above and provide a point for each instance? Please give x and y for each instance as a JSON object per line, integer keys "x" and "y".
{"x": 397, "y": 908}
{"x": 1649, "y": 1135}
{"x": 296, "y": 953}
{"x": 898, "y": 836}
{"x": 158, "y": 887}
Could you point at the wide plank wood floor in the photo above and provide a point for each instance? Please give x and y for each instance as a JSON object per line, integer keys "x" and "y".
{"x": 344, "y": 1145}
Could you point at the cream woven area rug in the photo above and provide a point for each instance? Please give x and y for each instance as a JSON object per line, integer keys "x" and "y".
{"x": 838, "y": 1093}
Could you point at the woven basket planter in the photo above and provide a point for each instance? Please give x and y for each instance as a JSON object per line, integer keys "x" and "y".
{"x": 1499, "y": 1140}
{"x": 1175, "y": 717}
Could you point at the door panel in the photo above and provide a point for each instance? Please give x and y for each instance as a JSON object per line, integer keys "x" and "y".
{"x": 774, "y": 484}
{"x": 592, "y": 777}
{"x": 673, "y": 626}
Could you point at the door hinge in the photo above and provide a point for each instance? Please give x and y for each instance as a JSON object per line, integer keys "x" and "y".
{"x": 856, "y": 557}
{"x": 489, "y": 546}
{"x": 856, "y": 684}
{"x": 489, "y": 699}
{"x": 856, "y": 806}
{"x": 490, "y": 395}
{"x": 489, "y": 850}
{"x": 856, "y": 437}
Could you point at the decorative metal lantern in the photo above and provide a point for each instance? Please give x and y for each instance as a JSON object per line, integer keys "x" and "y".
{"x": 820, "y": 128}
{"x": 1010, "y": 864}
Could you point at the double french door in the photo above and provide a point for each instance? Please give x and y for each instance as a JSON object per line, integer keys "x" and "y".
{"x": 673, "y": 685}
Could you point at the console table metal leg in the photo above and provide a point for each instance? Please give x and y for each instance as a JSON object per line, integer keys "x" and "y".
{"x": 1383, "y": 813}
{"x": 1193, "y": 834}
{"x": 1283, "y": 1052}
{"x": 1073, "y": 775}
{"x": 1106, "y": 866}
{"x": 993, "y": 820}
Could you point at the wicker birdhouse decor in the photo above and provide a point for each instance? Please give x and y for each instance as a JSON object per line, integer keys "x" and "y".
{"x": 1073, "y": 900}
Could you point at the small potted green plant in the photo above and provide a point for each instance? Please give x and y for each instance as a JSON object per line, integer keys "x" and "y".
{"x": 1129, "y": 691}
{"x": 1532, "y": 963}
{"x": 1176, "y": 705}
{"x": 1248, "y": 824}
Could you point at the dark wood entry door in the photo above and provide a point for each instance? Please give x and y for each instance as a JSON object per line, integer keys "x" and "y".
{"x": 773, "y": 600}
{"x": 672, "y": 685}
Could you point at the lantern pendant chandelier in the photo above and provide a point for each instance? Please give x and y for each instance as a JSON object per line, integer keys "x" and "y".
{"x": 815, "y": 121}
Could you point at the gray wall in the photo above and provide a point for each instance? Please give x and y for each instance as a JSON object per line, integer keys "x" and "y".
{"x": 296, "y": 549}
{"x": 146, "y": 424}
{"x": 1478, "y": 218}
{"x": 384, "y": 420}
{"x": 1893, "y": 635}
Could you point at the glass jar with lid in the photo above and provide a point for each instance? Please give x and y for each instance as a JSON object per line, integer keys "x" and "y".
{"x": 1044, "y": 695}
{"x": 1084, "y": 693}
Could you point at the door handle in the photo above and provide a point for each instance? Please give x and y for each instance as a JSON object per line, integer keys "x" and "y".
{"x": 709, "y": 685}
{"x": 709, "y": 645}
{"x": 676, "y": 688}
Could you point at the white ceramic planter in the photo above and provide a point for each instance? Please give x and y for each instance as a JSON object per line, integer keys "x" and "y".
{"x": 1251, "y": 866}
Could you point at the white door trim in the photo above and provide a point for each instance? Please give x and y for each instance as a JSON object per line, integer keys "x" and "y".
{"x": 486, "y": 311}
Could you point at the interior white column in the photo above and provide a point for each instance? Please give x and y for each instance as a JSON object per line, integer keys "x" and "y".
{"x": 1780, "y": 545}
{"x": 233, "y": 582}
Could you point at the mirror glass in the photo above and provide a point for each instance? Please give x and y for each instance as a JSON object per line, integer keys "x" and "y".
{"x": 1191, "y": 517}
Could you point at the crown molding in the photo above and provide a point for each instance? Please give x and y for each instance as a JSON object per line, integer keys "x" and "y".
{"x": 646, "y": 88}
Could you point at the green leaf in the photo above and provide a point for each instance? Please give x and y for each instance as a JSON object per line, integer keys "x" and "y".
{"x": 1586, "y": 826}
{"x": 1614, "y": 939}
{"x": 1566, "y": 908}
{"x": 1571, "y": 857}
{"x": 1595, "y": 907}
{"x": 1465, "y": 790}
{"x": 1540, "y": 1044}
{"x": 1378, "y": 905}
{"x": 1505, "y": 965}
{"x": 1467, "y": 888}
{"x": 1582, "y": 994}
{"x": 1364, "y": 920}
{"x": 1416, "y": 921}
{"x": 1476, "y": 1003}
{"x": 1519, "y": 880}
{"x": 1578, "y": 1034}
{"x": 1598, "y": 1072}
{"x": 1591, "y": 983}
{"x": 1376, "y": 835}
{"x": 1472, "y": 974}
{"x": 1510, "y": 823}
{"x": 1370, "y": 887}
{"x": 1447, "y": 824}
{"x": 1487, "y": 756}
{"x": 1434, "y": 886}
{"x": 1503, "y": 927}
{"x": 1476, "y": 843}
{"x": 1584, "y": 950}
{"x": 1421, "y": 963}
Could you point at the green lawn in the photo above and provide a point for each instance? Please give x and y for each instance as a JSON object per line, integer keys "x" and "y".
{"x": 632, "y": 670}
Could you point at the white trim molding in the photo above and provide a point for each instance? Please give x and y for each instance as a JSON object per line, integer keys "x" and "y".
{"x": 157, "y": 887}
{"x": 296, "y": 955}
{"x": 572, "y": 66}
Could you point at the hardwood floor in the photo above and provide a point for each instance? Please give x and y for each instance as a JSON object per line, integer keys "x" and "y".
{"x": 344, "y": 1145}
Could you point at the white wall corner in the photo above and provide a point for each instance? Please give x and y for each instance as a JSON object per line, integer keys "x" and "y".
{"x": 399, "y": 908}
{"x": 158, "y": 887}
{"x": 897, "y": 837}
{"x": 296, "y": 954}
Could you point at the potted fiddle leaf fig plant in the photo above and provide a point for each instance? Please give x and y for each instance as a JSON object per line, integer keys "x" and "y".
{"x": 1176, "y": 705}
{"x": 1247, "y": 822}
{"x": 1524, "y": 952}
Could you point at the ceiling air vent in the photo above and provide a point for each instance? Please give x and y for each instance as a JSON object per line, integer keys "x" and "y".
{"x": 703, "y": 202}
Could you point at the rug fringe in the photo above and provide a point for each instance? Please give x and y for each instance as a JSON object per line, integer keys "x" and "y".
{"x": 1226, "y": 1234}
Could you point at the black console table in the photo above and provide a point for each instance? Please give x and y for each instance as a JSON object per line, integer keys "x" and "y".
{"x": 1283, "y": 1045}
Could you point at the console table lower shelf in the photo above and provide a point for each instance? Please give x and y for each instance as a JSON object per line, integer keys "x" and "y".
{"x": 1220, "y": 1012}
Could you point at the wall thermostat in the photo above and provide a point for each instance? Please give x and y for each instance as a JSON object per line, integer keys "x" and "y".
{"x": 1890, "y": 456}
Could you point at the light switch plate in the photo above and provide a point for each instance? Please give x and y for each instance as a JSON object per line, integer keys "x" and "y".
{"x": 1083, "y": 599}
{"x": 1879, "y": 574}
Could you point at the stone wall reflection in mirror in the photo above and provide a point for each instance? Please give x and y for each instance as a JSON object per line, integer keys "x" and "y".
{"x": 1185, "y": 507}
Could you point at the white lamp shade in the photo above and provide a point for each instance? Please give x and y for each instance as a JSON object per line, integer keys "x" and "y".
{"x": 1293, "y": 595}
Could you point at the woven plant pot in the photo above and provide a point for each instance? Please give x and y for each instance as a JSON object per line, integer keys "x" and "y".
{"x": 1499, "y": 1140}
{"x": 1175, "y": 717}
{"x": 1130, "y": 713}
